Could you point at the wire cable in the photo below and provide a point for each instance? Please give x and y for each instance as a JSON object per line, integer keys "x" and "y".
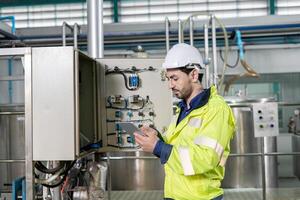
{"x": 236, "y": 62}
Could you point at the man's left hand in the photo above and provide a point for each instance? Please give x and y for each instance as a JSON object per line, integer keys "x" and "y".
{"x": 147, "y": 141}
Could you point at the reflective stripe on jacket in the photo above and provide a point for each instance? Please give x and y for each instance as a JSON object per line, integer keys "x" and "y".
{"x": 200, "y": 142}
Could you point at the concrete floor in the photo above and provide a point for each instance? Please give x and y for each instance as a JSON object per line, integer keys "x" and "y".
{"x": 230, "y": 194}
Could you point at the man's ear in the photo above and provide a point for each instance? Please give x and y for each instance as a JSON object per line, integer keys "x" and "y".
{"x": 195, "y": 75}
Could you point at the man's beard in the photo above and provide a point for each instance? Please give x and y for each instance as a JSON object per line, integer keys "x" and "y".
{"x": 178, "y": 94}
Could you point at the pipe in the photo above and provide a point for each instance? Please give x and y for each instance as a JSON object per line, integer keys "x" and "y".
{"x": 10, "y": 84}
{"x": 167, "y": 27}
{"x": 100, "y": 45}
{"x": 92, "y": 28}
{"x": 12, "y": 113}
{"x": 214, "y": 50}
{"x": 76, "y": 29}
{"x": 263, "y": 169}
{"x": 64, "y": 35}
{"x": 206, "y": 58}
{"x": 11, "y": 161}
{"x": 180, "y": 38}
{"x": 191, "y": 31}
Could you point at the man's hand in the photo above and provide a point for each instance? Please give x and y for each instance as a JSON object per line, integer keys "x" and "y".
{"x": 147, "y": 141}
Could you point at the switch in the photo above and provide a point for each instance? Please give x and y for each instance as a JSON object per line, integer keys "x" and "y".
{"x": 260, "y": 117}
{"x": 261, "y": 126}
{"x": 272, "y": 125}
{"x": 151, "y": 114}
{"x": 141, "y": 114}
{"x": 118, "y": 114}
{"x": 129, "y": 139}
{"x": 259, "y": 111}
{"x": 129, "y": 114}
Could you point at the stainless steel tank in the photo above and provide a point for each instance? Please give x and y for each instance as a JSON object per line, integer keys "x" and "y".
{"x": 246, "y": 171}
{"x": 12, "y": 145}
{"x": 296, "y": 148}
{"x": 134, "y": 170}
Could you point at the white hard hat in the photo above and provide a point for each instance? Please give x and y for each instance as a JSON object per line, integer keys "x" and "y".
{"x": 183, "y": 55}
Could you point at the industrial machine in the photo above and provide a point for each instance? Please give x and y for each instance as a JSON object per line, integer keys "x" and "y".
{"x": 48, "y": 116}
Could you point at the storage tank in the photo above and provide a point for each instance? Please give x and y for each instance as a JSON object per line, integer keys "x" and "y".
{"x": 133, "y": 170}
{"x": 246, "y": 171}
{"x": 296, "y": 148}
{"x": 12, "y": 145}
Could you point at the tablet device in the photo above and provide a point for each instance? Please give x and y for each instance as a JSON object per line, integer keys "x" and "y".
{"x": 129, "y": 127}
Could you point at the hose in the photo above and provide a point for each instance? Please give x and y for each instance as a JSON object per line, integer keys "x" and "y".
{"x": 51, "y": 178}
{"x": 42, "y": 168}
{"x": 62, "y": 172}
{"x": 225, "y": 53}
{"x": 236, "y": 62}
{"x": 249, "y": 70}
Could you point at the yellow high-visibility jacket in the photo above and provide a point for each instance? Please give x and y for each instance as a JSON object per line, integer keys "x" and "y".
{"x": 195, "y": 167}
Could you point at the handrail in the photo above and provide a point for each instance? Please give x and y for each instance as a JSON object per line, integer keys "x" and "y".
{"x": 230, "y": 155}
{"x": 11, "y": 161}
{"x": 12, "y": 113}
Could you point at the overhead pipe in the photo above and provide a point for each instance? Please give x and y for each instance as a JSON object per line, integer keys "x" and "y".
{"x": 76, "y": 30}
{"x": 167, "y": 27}
{"x": 206, "y": 58}
{"x": 92, "y": 28}
{"x": 180, "y": 32}
{"x": 214, "y": 50}
{"x": 64, "y": 32}
{"x": 191, "y": 31}
{"x": 100, "y": 29}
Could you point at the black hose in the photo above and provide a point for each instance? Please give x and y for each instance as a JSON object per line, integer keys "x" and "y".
{"x": 236, "y": 62}
{"x": 64, "y": 174}
{"x": 41, "y": 167}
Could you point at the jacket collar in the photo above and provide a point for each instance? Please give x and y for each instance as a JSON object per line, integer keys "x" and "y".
{"x": 212, "y": 91}
{"x": 198, "y": 101}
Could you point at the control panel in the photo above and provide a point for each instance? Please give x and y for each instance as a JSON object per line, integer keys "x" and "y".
{"x": 137, "y": 92}
{"x": 265, "y": 119}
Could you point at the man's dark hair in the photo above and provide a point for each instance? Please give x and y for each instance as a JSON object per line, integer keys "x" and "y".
{"x": 188, "y": 71}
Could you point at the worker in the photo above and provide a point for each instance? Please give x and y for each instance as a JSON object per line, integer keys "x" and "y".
{"x": 195, "y": 147}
